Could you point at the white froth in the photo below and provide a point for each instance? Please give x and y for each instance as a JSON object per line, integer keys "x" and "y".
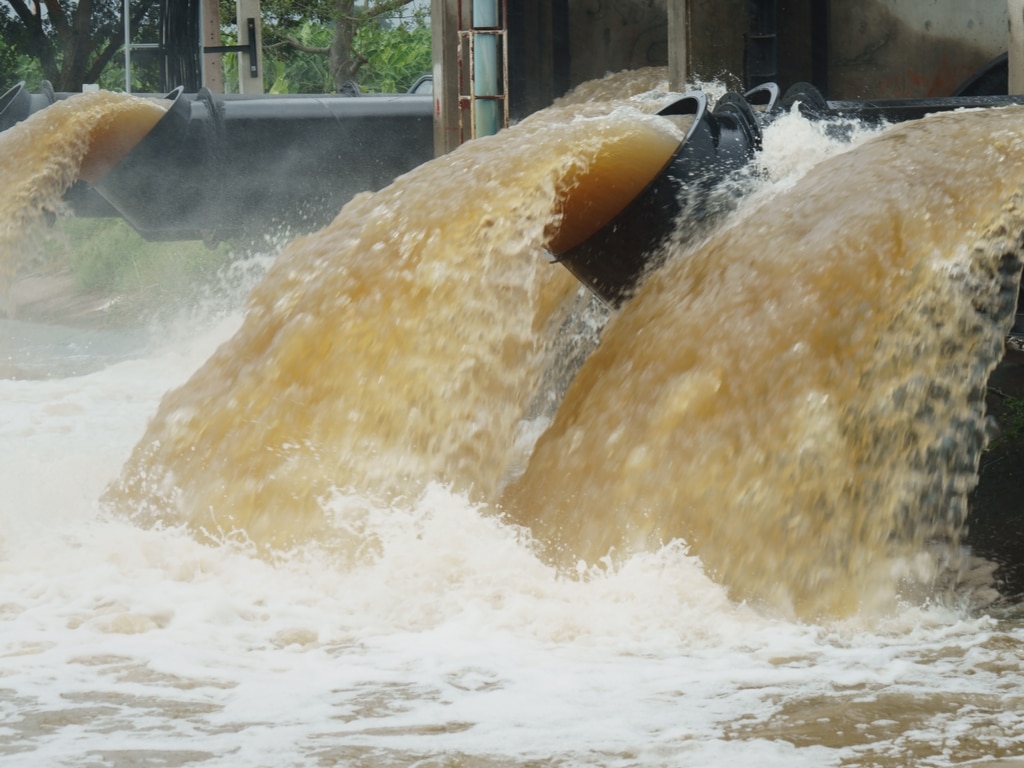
{"x": 451, "y": 643}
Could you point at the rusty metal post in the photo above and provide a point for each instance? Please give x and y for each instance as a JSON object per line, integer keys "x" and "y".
{"x": 483, "y": 67}
{"x": 444, "y": 25}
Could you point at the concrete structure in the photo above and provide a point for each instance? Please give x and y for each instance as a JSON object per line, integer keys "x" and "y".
{"x": 894, "y": 49}
{"x": 852, "y": 49}
{"x": 849, "y": 49}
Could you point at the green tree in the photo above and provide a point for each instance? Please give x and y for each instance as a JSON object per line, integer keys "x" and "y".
{"x": 359, "y": 39}
{"x": 393, "y": 56}
{"x": 300, "y": 64}
{"x": 73, "y": 41}
{"x": 310, "y": 46}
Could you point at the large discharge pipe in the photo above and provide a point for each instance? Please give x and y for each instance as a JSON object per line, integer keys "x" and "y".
{"x": 18, "y": 103}
{"x": 218, "y": 166}
{"x": 214, "y": 164}
{"x": 694, "y": 186}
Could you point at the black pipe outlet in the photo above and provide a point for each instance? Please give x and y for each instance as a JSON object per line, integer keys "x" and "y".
{"x": 885, "y": 111}
{"x": 688, "y": 192}
{"x": 221, "y": 166}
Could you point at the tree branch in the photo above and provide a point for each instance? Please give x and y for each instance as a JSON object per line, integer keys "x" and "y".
{"x": 29, "y": 19}
{"x": 291, "y": 41}
{"x": 114, "y": 41}
{"x": 38, "y": 43}
{"x": 56, "y": 14}
{"x": 381, "y": 8}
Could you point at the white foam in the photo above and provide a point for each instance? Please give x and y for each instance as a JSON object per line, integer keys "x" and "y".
{"x": 124, "y": 644}
{"x": 449, "y": 643}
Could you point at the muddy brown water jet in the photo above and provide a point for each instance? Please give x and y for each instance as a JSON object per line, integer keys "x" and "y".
{"x": 82, "y": 137}
{"x": 801, "y": 398}
{"x": 399, "y": 346}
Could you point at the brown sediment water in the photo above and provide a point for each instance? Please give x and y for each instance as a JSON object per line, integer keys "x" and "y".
{"x": 399, "y": 346}
{"x": 82, "y": 137}
{"x": 800, "y": 399}
{"x": 596, "y": 193}
{"x": 836, "y": 335}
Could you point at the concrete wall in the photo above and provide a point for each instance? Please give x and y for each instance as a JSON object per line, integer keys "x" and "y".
{"x": 875, "y": 48}
{"x": 538, "y": 53}
{"x": 715, "y": 40}
{"x": 911, "y": 48}
{"x": 718, "y": 30}
{"x": 612, "y": 35}
{"x": 850, "y": 49}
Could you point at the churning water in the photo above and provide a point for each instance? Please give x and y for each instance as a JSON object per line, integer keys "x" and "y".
{"x": 334, "y": 543}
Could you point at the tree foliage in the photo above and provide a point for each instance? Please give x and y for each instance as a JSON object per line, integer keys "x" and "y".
{"x": 379, "y": 55}
{"x": 393, "y": 57}
{"x": 72, "y": 41}
{"x": 310, "y": 46}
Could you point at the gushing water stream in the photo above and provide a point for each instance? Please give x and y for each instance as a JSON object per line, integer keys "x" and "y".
{"x": 801, "y": 398}
{"x": 81, "y": 140}
{"x": 323, "y": 549}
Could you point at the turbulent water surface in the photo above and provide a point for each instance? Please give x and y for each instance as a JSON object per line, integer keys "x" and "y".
{"x": 316, "y": 531}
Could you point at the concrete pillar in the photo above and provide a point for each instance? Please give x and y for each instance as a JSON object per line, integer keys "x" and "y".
{"x": 715, "y": 34}
{"x": 247, "y": 82}
{"x": 538, "y": 54}
{"x": 678, "y": 44}
{"x": 1015, "y": 45}
{"x": 213, "y": 66}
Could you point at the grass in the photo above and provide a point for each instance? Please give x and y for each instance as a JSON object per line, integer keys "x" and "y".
{"x": 1012, "y": 419}
{"x": 107, "y": 257}
{"x": 1008, "y": 412}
